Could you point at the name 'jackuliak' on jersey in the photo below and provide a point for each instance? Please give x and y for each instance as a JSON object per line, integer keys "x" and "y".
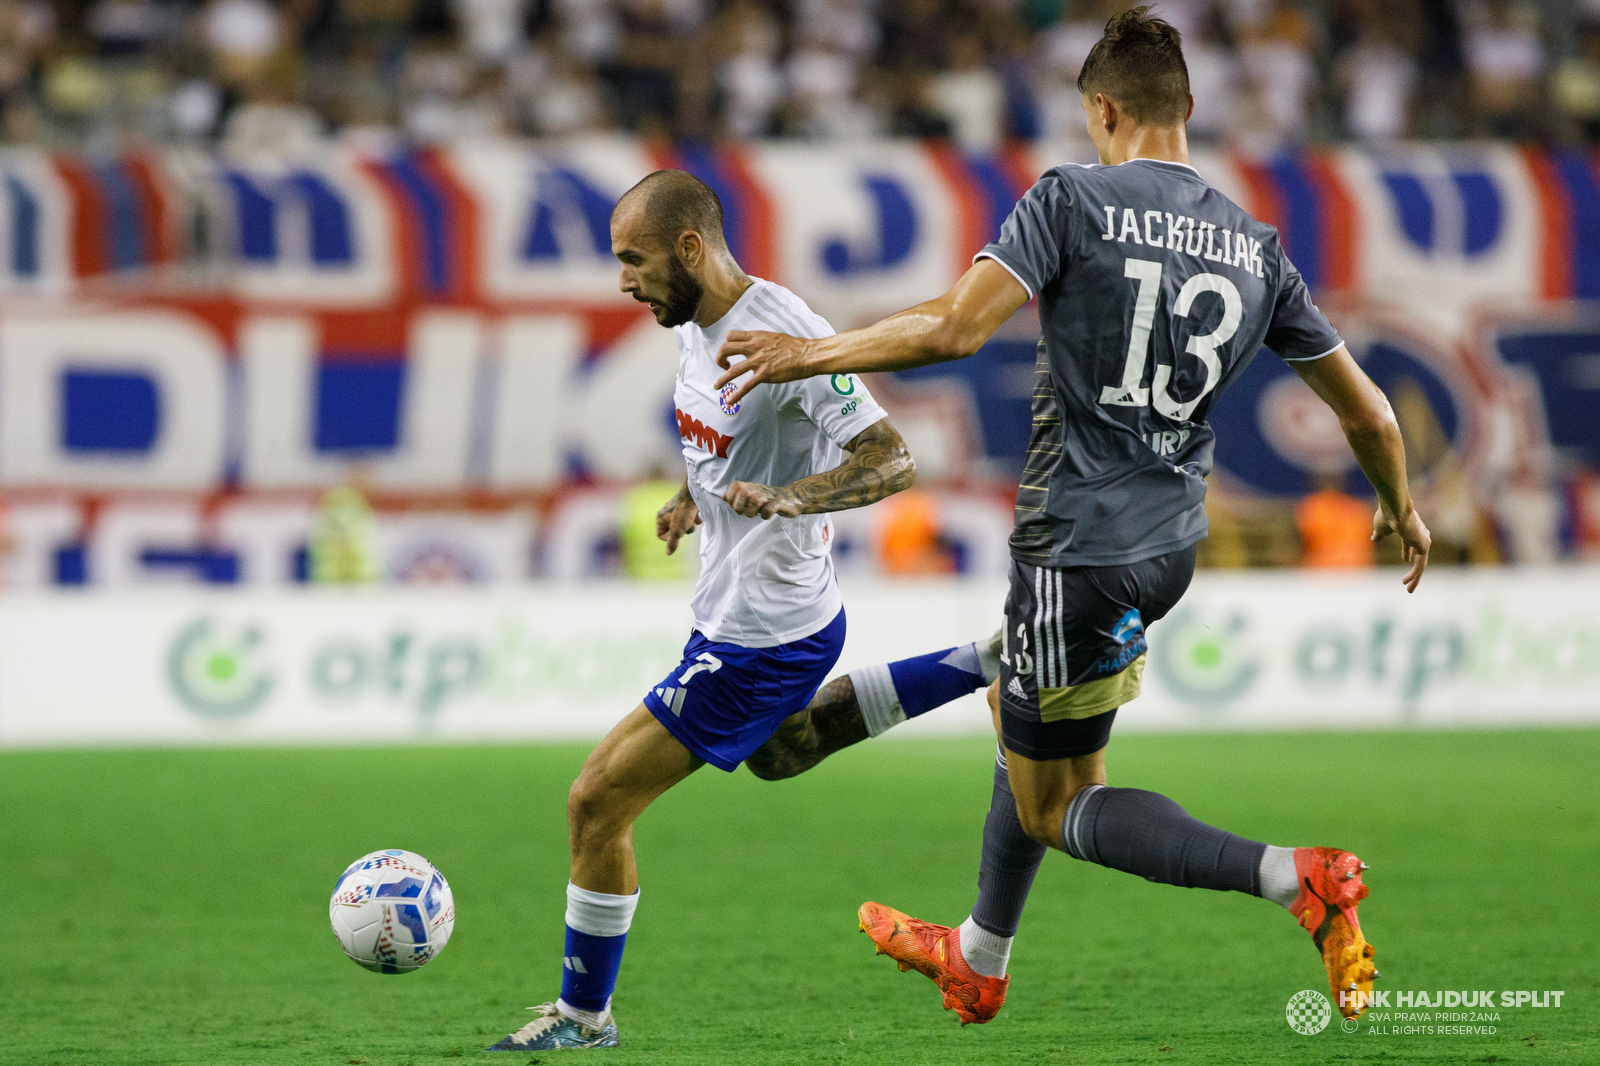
{"x": 1155, "y": 292}
{"x": 763, "y": 583}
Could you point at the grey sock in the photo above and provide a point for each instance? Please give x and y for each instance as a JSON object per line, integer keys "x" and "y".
{"x": 1145, "y": 833}
{"x": 1010, "y": 860}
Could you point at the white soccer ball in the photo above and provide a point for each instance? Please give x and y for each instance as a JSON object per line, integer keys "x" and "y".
{"x": 392, "y": 911}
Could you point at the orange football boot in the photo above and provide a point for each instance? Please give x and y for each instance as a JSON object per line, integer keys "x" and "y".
{"x": 1330, "y": 888}
{"x": 935, "y": 951}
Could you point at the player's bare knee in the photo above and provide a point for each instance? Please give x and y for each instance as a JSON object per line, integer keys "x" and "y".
{"x": 591, "y": 807}
{"x": 1041, "y": 816}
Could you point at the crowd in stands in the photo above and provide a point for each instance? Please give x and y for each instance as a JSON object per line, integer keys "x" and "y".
{"x": 269, "y": 74}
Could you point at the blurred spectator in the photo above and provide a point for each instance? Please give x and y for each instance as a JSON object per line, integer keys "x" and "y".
{"x": 1335, "y": 528}
{"x": 1442, "y": 63}
{"x": 1505, "y": 61}
{"x": 491, "y": 30}
{"x": 273, "y": 122}
{"x": 8, "y": 540}
{"x": 970, "y": 96}
{"x": 1276, "y": 56}
{"x": 822, "y": 81}
{"x": 1452, "y": 515}
{"x": 591, "y": 30}
{"x": 1379, "y": 77}
{"x": 99, "y": 72}
{"x": 343, "y": 546}
{"x": 242, "y": 35}
{"x": 1213, "y": 78}
{"x": 1529, "y": 517}
{"x": 127, "y": 27}
{"x": 657, "y": 40}
{"x": 911, "y": 540}
{"x": 355, "y": 97}
{"x": 1062, "y": 49}
{"x": 644, "y": 555}
{"x": 749, "y": 35}
{"x": 555, "y": 94}
{"x": 1575, "y": 87}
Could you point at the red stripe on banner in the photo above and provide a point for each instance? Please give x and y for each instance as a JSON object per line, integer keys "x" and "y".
{"x": 1019, "y": 167}
{"x": 1340, "y": 224}
{"x": 1555, "y": 225}
{"x": 465, "y": 230}
{"x": 972, "y": 209}
{"x": 160, "y": 235}
{"x": 1266, "y": 203}
{"x": 407, "y": 241}
{"x": 88, "y": 218}
{"x": 662, "y": 156}
{"x": 358, "y": 334}
{"x": 760, "y": 220}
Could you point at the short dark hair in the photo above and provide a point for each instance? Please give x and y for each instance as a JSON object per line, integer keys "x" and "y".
{"x": 676, "y": 201}
{"x": 1139, "y": 64}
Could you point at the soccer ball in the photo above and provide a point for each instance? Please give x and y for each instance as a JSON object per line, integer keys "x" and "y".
{"x": 392, "y": 911}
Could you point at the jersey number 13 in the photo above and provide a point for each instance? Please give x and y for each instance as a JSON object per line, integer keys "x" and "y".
{"x": 1130, "y": 393}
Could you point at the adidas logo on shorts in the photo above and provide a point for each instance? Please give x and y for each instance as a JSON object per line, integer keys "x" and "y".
{"x": 1016, "y": 689}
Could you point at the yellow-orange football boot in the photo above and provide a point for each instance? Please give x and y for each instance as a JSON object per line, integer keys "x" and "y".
{"x": 935, "y": 950}
{"x": 1330, "y": 888}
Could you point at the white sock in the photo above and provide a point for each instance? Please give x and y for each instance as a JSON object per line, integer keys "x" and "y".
{"x": 875, "y": 695}
{"x": 594, "y": 1019}
{"x": 1279, "y": 882}
{"x": 989, "y": 658}
{"x": 985, "y": 952}
{"x": 598, "y": 914}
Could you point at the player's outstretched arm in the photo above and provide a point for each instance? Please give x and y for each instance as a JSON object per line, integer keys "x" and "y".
{"x": 953, "y": 326}
{"x": 1369, "y": 425}
{"x": 880, "y": 465}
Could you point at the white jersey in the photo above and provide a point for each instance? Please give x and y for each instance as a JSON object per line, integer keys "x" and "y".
{"x": 768, "y": 582}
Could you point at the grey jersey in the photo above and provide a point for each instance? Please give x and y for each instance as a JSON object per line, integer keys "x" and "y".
{"x": 1155, "y": 292}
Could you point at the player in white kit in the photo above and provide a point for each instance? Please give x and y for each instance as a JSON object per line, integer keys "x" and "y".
{"x": 768, "y": 617}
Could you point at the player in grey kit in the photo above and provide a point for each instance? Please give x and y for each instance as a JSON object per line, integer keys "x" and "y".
{"x": 1155, "y": 291}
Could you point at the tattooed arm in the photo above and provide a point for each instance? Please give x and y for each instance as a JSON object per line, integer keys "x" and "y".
{"x": 880, "y": 465}
{"x": 678, "y": 518}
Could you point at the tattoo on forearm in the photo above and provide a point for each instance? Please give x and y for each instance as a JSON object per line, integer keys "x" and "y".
{"x": 880, "y": 465}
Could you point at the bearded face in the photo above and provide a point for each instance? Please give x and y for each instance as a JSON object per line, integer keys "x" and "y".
{"x": 679, "y": 302}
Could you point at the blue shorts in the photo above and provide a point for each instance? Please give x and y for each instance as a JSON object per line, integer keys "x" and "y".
{"x": 724, "y": 700}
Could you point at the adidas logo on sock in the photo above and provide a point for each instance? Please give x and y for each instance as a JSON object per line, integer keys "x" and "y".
{"x": 1016, "y": 689}
{"x": 574, "y": 964}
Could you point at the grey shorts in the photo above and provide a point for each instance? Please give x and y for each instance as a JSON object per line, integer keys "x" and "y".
{"x": 1074, "y": 649}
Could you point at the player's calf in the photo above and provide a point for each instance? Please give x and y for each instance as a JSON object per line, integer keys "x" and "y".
{"x": 832, "y": 722}
{"x": 870, "y": 701}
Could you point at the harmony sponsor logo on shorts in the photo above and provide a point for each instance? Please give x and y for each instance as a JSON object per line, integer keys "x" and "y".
{"x": 1126, "y": 627}
{"x": 1123, "y": 659}
{"x": 1308, "y": 1012}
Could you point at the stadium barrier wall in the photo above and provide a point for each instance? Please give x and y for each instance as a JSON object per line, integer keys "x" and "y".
{"x": 183, "y": 332}
{"x": 565, "y": 661}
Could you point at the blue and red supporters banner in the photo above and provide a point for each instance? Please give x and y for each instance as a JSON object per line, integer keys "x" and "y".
{"x": 447, "y": 322}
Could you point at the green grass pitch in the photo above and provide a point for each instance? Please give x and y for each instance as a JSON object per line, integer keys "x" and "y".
{"x": 170, "y": 907}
